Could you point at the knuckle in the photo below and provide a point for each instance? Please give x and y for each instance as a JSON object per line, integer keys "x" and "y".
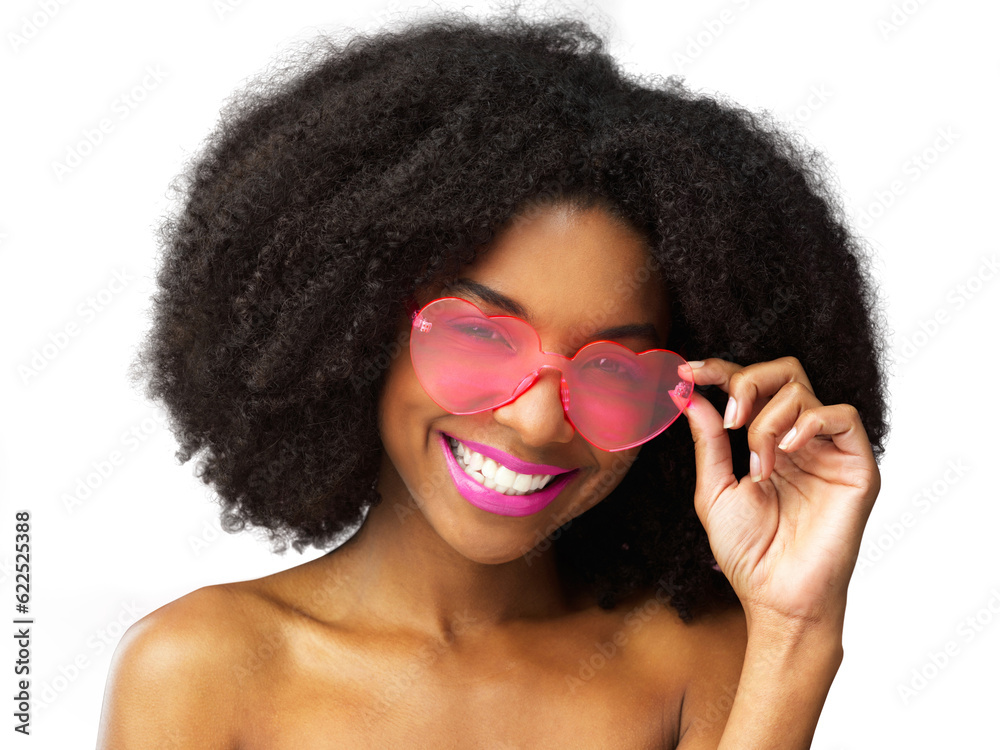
{"x": 796, "y": 388}
{"x": 811, "y": 417}
{"x": 851, "y": 412}
{"x": 792, "y": 362}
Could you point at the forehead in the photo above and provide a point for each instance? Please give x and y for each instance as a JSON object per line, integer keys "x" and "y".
{"x": 574, "y": 270}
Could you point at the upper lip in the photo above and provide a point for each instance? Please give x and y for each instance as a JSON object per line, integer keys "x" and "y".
{"x": 511, "y": 462}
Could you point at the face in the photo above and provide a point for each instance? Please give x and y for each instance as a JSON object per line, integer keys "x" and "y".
{"x": 573, "y": 274}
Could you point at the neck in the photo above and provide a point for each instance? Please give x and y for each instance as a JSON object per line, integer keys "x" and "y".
{"x": 406, "y": 575}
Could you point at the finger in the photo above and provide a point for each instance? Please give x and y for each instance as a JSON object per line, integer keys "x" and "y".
{"x": 839, "y": 422}
{"x": 680, "y": 394}
{"x": 681, "y": 397}
{"x": 775, "y": 420}
{"x": 749, "y": 387}
{"x": 712, "y": 454}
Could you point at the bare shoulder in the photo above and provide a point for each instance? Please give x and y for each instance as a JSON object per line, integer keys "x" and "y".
{"x": 696, "y": 664}
{"x": 716, "y": 646}
{"x": 710, "y": 639}
{"x": 170, "y": 677}
{"x": 718, "y": 637}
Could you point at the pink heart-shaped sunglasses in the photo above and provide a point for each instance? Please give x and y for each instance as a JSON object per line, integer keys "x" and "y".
{"x": 468, "y": 362}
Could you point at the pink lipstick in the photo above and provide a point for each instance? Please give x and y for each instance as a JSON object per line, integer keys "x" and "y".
{"x": 496, "y": 502}
{"x": 512, "y": 463}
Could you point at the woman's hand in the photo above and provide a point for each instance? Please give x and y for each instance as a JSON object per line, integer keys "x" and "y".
{"x": 787, "y": 536}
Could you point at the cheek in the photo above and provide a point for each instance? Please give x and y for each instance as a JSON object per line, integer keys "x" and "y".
{"x": 404, "y": 406}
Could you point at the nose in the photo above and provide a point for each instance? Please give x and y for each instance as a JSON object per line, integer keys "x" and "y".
{"x": 537, "y": 414}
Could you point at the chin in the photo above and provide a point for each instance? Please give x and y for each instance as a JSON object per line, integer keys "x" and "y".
{"x": 494, "y": 541}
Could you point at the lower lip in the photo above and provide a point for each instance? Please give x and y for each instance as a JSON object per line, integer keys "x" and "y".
{"x": 496, "y": 502}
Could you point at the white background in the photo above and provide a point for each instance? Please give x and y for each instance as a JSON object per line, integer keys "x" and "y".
{"x": 900, "y": 96}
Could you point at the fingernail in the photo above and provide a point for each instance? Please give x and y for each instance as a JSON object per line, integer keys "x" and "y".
{"x": 754, "y": 466}
{"x": 787, "y": 439}
{"x": 696, "y": 363}
{"x": 730, "y": 417}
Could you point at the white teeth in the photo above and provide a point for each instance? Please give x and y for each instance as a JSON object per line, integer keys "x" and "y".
{"x": 494, "y": 476}
{"x": 523, "y": 482}
{"x": 504, "y": 477}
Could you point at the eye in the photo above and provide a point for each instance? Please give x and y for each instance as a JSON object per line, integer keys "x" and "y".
{"x": 614, "y": 367}
{"x": 480, "y": 332}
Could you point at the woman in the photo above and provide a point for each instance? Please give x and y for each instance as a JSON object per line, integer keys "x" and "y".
{"x": 631, "y": 578}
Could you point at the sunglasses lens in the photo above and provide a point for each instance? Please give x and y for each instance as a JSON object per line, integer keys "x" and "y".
{"x": 619, "y": 399}
{"x": 468, "y": 362}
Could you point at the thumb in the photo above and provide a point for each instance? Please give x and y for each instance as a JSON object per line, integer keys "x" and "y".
{"x": 713, "y": 455}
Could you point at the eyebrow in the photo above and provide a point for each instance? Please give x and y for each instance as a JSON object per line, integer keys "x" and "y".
{"x": 496, "y": 299}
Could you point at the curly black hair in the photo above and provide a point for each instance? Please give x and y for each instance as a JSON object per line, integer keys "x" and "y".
{"x": 334, "y": 188}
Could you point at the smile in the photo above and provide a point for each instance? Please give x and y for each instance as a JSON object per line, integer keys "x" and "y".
{"x": 494, "y": 475}
{"x": 495, "y": 486}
